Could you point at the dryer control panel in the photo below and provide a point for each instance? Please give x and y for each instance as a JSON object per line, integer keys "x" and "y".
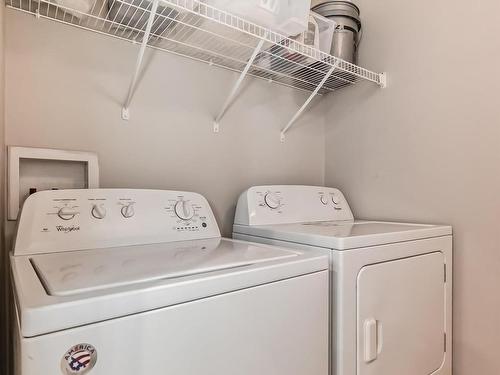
{"x": 285, "y": 204}
{"x": 68, "y": 220}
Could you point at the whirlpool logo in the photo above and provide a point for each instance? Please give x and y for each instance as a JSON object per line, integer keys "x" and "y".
{"x": 73, "y": 228}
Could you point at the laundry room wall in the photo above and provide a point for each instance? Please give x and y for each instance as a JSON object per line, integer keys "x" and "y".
{"x": 426, "y": 148}
{"x": 65, "y": 88}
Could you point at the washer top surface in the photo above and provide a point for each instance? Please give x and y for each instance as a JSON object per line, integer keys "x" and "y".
{"x": 71, "y": 273}
{"x": 63, "y": 290}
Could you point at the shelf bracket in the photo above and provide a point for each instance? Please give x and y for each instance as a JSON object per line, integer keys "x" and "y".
{"x": 311, "y": 97}
{"x": 138, "y": 63}
{"x": 237, "y": 85}
{"x": 383, "y": 80}
{"x": 37, "y": 11}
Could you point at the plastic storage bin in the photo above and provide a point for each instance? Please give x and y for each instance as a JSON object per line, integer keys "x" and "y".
{"x": 319, "y": 33}
{"x": 287, "y": 17}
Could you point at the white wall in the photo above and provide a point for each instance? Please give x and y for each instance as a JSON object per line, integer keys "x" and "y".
{"x": 65, "y": 87}
{"x": 427, "y": 147}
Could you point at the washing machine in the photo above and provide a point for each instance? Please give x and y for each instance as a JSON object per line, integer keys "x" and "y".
{"x": 136, "y": 282}
{"x": 390, "y": 282}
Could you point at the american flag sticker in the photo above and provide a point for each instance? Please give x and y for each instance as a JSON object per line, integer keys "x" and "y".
{"x": 79, "y": 359}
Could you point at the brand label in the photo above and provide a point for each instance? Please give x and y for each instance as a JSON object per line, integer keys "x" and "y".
{"x": 73, "y": 228}
{"x": 79, "y": 359}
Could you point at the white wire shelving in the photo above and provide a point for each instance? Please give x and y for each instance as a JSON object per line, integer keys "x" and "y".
{"x": 194, "y": 29}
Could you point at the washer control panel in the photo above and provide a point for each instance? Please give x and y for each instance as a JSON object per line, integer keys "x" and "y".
{"x": 68, "y": 220}
{"x": 285, "y": 204}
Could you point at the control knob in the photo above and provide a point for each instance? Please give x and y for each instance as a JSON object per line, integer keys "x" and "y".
{"x": 184, "y": 210}
{"x": 67, "y": 213}
{"x": 98, "y": 211}
{"x": 128, "y": 211}
{"x": 335, "y": 199}
{"x": 272, "y": 201}
{"x": 324, "y": 200}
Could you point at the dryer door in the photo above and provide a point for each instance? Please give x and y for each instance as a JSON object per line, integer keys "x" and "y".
{"x": 401, "y": 312}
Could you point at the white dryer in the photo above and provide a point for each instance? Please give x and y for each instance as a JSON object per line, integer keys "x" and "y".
{"x": 136, "y": 282}
{"x": 391, "y": 283}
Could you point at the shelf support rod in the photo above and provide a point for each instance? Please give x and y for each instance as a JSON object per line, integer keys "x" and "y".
{"x": 237, "y": 85}
{"x": 311, "y": 97}
{"x": 138, "y": 63}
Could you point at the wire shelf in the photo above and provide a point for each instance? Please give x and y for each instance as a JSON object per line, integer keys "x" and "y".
{"x": 196, "y": 30}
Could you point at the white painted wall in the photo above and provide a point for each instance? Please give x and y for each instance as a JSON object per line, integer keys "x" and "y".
{"x": 427, "y": 148}
{"x": 65, "y": 87}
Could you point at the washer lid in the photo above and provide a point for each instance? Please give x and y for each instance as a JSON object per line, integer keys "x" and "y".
{"x": 344, "y": 235}
{"x": 70, "y": 273}
{"x": 54, "y": 292}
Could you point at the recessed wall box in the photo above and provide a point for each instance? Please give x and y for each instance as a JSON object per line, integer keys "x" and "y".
{"x": 39, "y": 169}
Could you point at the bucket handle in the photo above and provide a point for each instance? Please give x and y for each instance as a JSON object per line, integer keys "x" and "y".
{"x": 358, "y": 33}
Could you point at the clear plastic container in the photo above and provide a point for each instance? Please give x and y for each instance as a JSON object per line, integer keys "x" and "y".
{"x": 319, "y": 33}
{"x": 288, "y": 17}
{"x": 326, "y": 30}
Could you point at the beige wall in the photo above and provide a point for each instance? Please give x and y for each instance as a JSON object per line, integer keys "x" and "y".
{"x": 427, "y": 147}
{"x": 64, "y": 88}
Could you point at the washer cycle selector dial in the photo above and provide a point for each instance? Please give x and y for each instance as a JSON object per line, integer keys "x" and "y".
{"x": 324, "y": 200}
{"x": 128, "y": 211}
{"x": 67, "y": 213}
{"x": 98, "y": 211}
{"x": 184, "y": 210}
{"x": 272, "y": 201}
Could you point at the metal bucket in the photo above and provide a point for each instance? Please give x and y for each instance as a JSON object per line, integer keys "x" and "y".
{"x": 347, "y": 35}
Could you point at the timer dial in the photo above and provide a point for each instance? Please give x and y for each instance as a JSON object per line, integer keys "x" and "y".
{"x": 184, "y": 210}
{"x": 272, "y": 201}
{"x": 67, "y": 213}
{"x": 324, "y": 200}
{"x": 128, "y": 211}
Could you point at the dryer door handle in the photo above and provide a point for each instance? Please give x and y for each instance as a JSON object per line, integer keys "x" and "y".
{"x": 373, "y": 343}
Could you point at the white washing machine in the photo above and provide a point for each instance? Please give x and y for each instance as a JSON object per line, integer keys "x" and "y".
{"x": 139, "y": 282}
{"x": 391, "y": 283}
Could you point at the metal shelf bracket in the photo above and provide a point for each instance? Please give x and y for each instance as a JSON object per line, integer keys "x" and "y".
{"x": 308, "y": 101}
{"x": 138, "y": 63}
{"x": 236, "y": 86}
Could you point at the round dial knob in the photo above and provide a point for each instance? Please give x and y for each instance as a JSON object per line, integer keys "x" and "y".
{"x": 324, "y": 200}
{"x": 98, "y": 211}
{"x": 67, "y": 213}
{"x": 335, "y": 199}
{"x": 272, "y": 200}
{"x": 184, "y": 210}
{"x": 128, "y": 211}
